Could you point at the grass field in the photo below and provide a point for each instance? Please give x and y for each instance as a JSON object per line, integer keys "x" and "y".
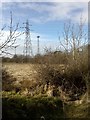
{"x": 25, "y": 72}
{"x": 21, "y": 71}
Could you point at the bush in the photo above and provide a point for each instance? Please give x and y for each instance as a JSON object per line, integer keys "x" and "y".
{"x": 71, "y": 80}
{"x": 17, "y": 107}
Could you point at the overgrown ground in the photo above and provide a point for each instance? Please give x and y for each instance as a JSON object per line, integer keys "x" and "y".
{"x": 31, "y": 108}
{"x": 18, "y": 105}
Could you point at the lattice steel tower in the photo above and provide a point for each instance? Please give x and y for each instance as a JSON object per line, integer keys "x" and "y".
{"x": 27, "y": 44}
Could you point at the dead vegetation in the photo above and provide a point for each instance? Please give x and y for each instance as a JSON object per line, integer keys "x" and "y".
{"x": 52, "y": 80}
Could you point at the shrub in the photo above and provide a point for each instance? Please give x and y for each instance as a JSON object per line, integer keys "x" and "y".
{"x": 71, "y": 80}
{"x": 17, "y": 107}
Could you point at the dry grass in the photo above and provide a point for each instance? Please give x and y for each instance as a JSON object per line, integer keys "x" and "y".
{"x": 27, "y": 75}
{"x": 21, "y": 71}
{"x": 25, "y": 71}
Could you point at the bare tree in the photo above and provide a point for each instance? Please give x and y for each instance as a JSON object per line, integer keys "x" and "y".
{"x": 6, "y": 42}
{"x": 74, "y": 37}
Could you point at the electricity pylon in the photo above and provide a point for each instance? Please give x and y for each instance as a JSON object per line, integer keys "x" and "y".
{"x": 27, "y": 44}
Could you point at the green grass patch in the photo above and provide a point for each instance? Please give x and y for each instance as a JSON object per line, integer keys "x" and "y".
{"x": 31, "y": 108}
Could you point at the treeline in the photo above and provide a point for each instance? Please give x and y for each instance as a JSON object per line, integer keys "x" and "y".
{"x": 56, "y": 57}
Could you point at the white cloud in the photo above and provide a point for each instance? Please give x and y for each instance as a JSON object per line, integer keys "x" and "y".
{"x": 57, "y": 11}
{"x": 64, "y": 11}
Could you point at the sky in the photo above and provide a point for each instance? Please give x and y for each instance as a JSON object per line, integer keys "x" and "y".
{"x": 46, "y": 19}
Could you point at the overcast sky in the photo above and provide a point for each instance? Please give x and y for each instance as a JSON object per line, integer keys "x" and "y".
{"x": 47, "y": 19}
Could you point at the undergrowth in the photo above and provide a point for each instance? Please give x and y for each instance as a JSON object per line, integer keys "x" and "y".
{"x": 31, "y": 108}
